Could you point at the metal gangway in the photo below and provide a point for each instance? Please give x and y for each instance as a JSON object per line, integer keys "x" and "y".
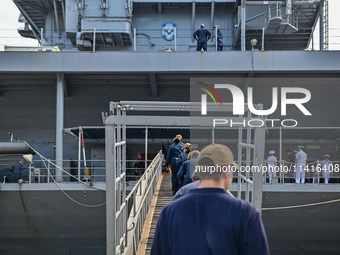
{"x": 124, "y": 227}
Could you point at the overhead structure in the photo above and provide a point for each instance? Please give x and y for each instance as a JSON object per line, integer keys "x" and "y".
{"x": 109, "y": 24}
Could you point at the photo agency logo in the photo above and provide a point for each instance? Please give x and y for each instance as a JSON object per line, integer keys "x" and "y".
{"x": 295, "y": 96}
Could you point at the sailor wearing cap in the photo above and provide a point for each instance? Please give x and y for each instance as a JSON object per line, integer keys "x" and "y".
{"x": 188, "y": 167}
{"x": 271, "y": 163}
{"x": 300, "y": 162}
{"x": 182, "y": 158}
{"x": 174, "y": 151}
{"x": 207, "y": 220}
{"x": 326, "y": 168}
{"x": 202, "y": 36}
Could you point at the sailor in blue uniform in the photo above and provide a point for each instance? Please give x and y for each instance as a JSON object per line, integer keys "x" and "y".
{"x": 202, "y": 36}
{"x": 184, "y": 155}
{"x": 207, "y": 220}
{"x": 219, "y": 39}
{"x": 188, "y": 167}
{"x": 180, "y": 140}
{"x": 171, "y": 160}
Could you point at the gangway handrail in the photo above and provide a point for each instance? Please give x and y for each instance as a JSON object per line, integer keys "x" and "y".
{"x": 137, "y": 216}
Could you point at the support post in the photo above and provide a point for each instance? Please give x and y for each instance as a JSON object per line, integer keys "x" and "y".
{"x": 94, "y": 40}
{"x": 193, "y": 17}
{"x": 321, "y": 23}
{"x": 146, "y": 147}
{"x": 212, "y": 17}
{"x": 280, "y": 161}
{"x": 79, "y": 152}
{"x": 263, "y": 30}
{"x": 216, "y": 38}
{"x": 59, "y": 125}
{"x": 56, "y": 16}
{"x": 239, "y": 161}
{"x": 41, "y": 38}
{"x": 313, "y": 38}
{"x": 175, "y": 39}
{"x": 260, "y": 135}
{"x": 243, "y": 25}
{"x": 110, "y": 166}
{"x": 134, "y": 39}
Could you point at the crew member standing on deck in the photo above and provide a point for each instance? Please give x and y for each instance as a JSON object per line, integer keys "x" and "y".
{"x": 271, "y": 163}
{"x": 219, "y": 38}
{"x": 326, "y": 168}
{"x": 171, "y": 160}
{"x": 207, "y": 220}
{"x": 300, "y": 162}
{"x": 202, "y": 37}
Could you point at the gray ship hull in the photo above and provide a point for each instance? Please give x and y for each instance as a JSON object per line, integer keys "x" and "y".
{"x": 40, "y": 219}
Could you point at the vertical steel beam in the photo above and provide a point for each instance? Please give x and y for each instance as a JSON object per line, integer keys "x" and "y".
{"x": 59, "y": 125}
{"x": 247, "y": 195}
{"x": 239, "y": 161}
{"x": 193, "y": 17}
{"x": 259, "y": 141}
{"x": 110, "y": 168}
{"x": 212, "y": 17}
{"x": 56, "y": 15}
{"x": 79, "y": 151}
{"x": 282, "y": 174}
{"x": 321, "y": 23}
{"x": 243, "y": 25}
{"x": 146, "y": 147}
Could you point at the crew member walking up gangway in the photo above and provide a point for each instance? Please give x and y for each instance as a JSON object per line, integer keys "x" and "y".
{"x": 180, "y": 140}
{"x": 182, "y": 158}
{"x": 188, "y": 167}
{"x": 171, "y": 161}
{"x": 300, "y": 162}
{"x": 207, "y": 220}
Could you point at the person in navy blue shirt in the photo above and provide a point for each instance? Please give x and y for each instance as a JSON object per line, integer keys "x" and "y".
{"x": 188, "y": 167}
{"x": 171, "y": 160}
{"x": 207, "y": 220}
{"x": 202, "y": 37}
{"x": 182, "y": 158}
{"x": 219, "y": 39}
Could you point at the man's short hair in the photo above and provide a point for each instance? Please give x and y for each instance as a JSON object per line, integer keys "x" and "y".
{"x": 202, "y": 26}
{"x": 194, "y": 154}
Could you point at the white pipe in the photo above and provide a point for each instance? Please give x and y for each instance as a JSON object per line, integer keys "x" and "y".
{"x": 79, "y": 152}
{"x": 216, "y": 38}
{"x": 262, "y": 49}
{"x": 243, "y": 25}
{"x": 134, "y": 39}
{"x": 321, "y": 23}
{"x": 94, "y": 40}
{"x": 280, "y": 161}
{"x": 146, "y": 147}
{"x": 175, "y": 39}
{"x": 59, "y": 125}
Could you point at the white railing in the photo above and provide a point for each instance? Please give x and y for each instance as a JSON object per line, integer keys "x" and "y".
{"x": 141, "y": 196}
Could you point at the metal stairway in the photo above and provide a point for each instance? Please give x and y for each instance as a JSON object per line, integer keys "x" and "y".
{"x": 164, "y": 197}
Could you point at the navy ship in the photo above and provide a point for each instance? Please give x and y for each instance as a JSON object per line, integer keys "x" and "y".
{"x": 114, "y": 78}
